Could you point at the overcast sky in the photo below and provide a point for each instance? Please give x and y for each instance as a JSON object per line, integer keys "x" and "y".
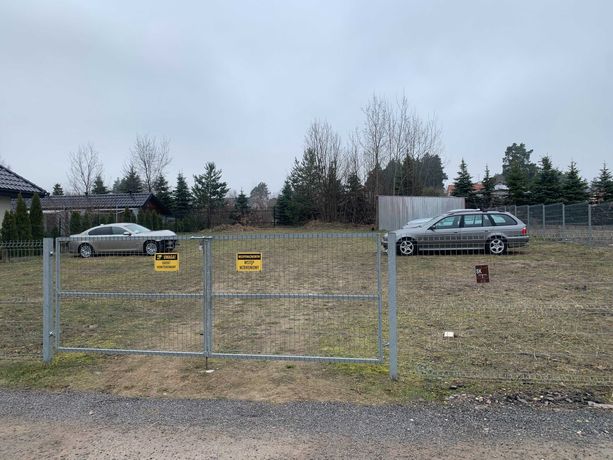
{"x": 238, "y": 83}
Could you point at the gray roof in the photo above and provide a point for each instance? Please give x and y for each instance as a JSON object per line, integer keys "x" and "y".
{"x": 12, "y": 184}
{"x": 107, "y": 201}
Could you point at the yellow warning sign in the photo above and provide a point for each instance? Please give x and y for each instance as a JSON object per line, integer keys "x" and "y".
{"x": 166, "y": 262}
{"x": 249, "y": 262}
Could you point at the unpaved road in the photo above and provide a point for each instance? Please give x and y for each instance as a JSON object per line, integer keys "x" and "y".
{"x": 83, "y": 425}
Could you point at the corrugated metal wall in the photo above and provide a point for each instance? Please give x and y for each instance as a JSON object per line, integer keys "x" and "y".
{"x": 395, "y": 211}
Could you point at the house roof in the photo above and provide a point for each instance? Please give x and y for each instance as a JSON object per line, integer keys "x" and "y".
{"x": 12, "y": 184}
{"x": 477, "y": 187}
{"x": 107, "y": 202}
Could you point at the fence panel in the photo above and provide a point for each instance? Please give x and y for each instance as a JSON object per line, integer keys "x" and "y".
{"x": 21, "y": 299}
{"x": 118, "y": 301}
{"x": 316, "y": 296}
{"x": 545, "y": 315}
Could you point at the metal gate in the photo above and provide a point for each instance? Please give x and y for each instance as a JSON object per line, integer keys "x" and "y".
{"x": 296, "y": 296}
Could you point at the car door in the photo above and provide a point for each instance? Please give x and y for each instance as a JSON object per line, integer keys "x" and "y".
{"x": 473, "y": 231}
{"x": 123, "y": 242}
{"x": 444, "y": 234}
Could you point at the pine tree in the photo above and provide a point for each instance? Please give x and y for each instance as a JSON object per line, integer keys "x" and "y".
{"x": 463, "y": 184}
{"x": 574, "y": 187}
{"x": 209, "y": 191}
{"x": 519, "y": 155}
{"x": 181, "y": 198}
{"x": 9, "y": 227}
{"x": 602, "y": 187}
{"x": 99, "y": 188}
{"x": 22, "y": 220}
{"x": 547, "y": 187}
{"x": 36, "y": 218}
{"x": 57, "y": 190}
{"x": 162, "y": 191}
{"x": 306, "y": 180}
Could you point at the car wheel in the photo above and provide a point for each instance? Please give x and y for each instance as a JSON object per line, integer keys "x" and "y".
{"x": 150, "y": 248}
{"x": 85, "y": 250}
{"x": 496, "y": 246}
{"x": 406, "y": 247}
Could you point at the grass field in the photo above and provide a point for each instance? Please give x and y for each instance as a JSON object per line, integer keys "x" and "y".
{"x": 545, "y": 317}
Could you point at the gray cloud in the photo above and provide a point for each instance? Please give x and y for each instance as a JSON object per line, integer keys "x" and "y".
{"x": 239, "y": 82}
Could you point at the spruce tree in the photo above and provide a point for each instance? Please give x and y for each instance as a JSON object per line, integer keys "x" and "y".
{"x": 99, "y": 188}
{"x": 57, "y": 190}
{"x": 181, "y": 198}
{"x": 131, "y": 182}
{"x": 602, "y": 187}
{"x": 354, "y": 203}
{"x": 241, "y": 208}
{"x": 36, "y": 218}
{"x": 463, "y": 184}
{"x": 517, "y": 182}
{"x": 547, "y": 186}
{"x": 209, "y": 191}
{"x": 284, "y": 214}
{"x": 22, "y": 220}
{"x": 574, "y": 187}
{"x": 487, "y": 191}
{"x": 9, "y": 227}
{"x": 128, "y": 216}
{"x": 162, "y": 191}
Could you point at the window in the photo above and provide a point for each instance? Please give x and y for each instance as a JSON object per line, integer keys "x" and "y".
{"x": 473, "y": 220}
{"x": 502, "y": 219}
{"x": 100, "y": 231}
{"x": 448, "y": 222}
{"x": 118, "y": 230}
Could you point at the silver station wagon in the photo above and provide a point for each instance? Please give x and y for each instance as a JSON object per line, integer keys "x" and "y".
{"x": 126, "y": 238}
{"x": 462, "y": 230}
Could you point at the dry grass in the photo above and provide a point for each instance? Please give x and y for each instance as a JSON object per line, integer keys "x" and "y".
{"x": 546, "y": 316}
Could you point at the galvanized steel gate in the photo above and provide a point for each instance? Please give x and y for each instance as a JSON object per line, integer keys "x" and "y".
{"x": 317, "y": 297}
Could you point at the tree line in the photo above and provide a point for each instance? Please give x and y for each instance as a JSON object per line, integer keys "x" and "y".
{"x": 526, "y": 182}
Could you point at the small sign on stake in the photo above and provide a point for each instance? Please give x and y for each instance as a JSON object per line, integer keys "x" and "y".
{"x": 483, "y": 273}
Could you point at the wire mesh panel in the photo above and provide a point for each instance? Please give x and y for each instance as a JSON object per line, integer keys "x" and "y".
{"x": 130, "y": 294}
{"x": 20, "y": 299}
{"x": 297, "y": 296}
{"x": 545, "y": 313}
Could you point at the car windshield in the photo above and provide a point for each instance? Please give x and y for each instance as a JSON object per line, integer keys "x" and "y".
{"x": 135, "y": 228}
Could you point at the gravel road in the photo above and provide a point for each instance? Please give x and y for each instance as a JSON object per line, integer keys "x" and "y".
{"x": 83, "y": 425}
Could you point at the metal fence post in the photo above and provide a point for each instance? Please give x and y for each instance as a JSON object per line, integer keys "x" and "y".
{"x": 528, "y": 214}
{"x": 208, "y": 295}
{"x": 391, "y": 297}
{"x": 563, "y": 219}
{"x": 543, "y": 205}
{"x": 48, "y": 347}
{"x": 589, "y": 223}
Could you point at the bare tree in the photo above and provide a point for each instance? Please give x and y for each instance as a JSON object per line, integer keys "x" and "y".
{"x": 149, "y": 158}
{"x": 374, "y": 140}
{"x": 326, "y": 145}
{"x": 84, "y": 168}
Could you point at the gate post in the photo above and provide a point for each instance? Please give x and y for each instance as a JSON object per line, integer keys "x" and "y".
{"x": 207, "y": 253}
{"x": 48, "y": 348}
{"x": 392, "y": 311}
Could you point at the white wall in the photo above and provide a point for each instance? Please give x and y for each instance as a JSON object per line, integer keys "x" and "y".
{"x": 395, "y": 211}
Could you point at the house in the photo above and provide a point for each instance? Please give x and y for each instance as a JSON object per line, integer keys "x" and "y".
{"x": 11, "y": 185}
